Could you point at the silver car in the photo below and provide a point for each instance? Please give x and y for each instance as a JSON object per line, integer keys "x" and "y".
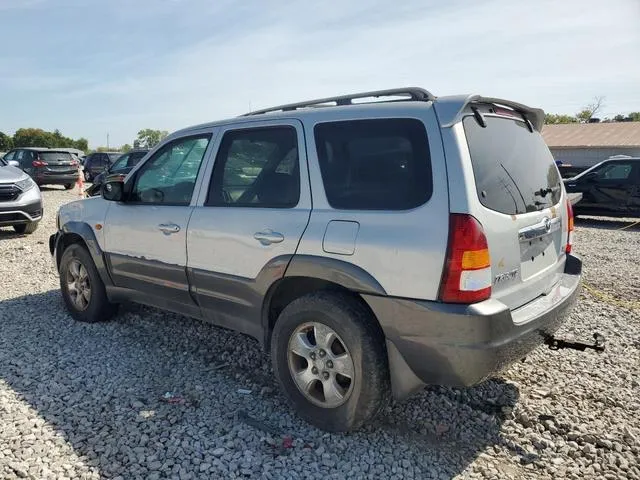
{"x": 373, "y": 243}
{"x": 20, "y": 199}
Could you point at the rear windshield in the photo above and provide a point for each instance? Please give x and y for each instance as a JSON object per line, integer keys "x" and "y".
{"x": 513, "y": 167}
{"x": 113, "y": 156}
{"x": 55, "y": 156}
{"x": 379, "y": 164}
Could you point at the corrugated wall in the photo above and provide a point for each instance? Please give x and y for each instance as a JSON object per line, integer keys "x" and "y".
{"x": 586, "y": 157}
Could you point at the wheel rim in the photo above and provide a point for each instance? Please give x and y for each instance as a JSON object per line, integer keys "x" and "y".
{"x": 320, "y": 364}
{"x": 78, "y": 285}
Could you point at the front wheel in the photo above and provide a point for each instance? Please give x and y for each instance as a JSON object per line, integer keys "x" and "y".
{"x": 82, "y": 288}
{"x": 329, "y": 357}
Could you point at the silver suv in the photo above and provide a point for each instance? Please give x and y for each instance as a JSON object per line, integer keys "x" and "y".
{"x": 373, "y": 242}
{"x": 20, "y": 199}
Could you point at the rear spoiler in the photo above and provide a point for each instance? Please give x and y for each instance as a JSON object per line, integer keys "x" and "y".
{"x": 450, "y": 109}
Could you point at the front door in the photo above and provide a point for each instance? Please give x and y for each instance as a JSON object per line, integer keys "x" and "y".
{"x": 145, "y": 236}
{"x": 248, "y": 220}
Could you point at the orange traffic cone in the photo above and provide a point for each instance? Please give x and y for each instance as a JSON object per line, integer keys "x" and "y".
{"x": 80, "y": 183}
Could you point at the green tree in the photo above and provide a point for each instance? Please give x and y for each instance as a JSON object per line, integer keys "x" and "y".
{"x": 81, "y": 144}
{"x": 552, "y": 118}
{"x": 149, "y": 138}
{"x": 6, "y": 142}
{"x": 33, "y": 137}
{"x": 125, "y": 148}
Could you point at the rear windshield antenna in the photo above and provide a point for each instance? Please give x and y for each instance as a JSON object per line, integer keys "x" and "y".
{"x": 479, "y": 117}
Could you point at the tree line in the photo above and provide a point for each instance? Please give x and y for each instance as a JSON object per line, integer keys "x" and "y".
{"x": 36, "y": 137}
{"x": 589, "y": 114}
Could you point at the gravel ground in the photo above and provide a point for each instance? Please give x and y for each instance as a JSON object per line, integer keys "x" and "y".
{"x": 87, "y": 401}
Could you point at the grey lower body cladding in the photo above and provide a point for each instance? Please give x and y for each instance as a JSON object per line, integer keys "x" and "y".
{"x": 461, "y": 345}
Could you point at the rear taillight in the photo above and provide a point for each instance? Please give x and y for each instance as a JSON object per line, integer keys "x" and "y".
{"x": 467, "y": 270}
{"x": 39, "y": 163}
{"x": 567, "y": 248}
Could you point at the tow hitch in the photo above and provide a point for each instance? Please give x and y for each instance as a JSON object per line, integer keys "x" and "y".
{"x": 557, "y": 343}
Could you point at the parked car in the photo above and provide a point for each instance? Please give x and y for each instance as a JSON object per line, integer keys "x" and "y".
{"x": 20, "y": 199}
{"x": 123, "y": 165}
{"x": 371, "y": 247}
{"x": 96, "y": 163}
{"x": 610, "y": 188}
{"x": 46, "y": 166}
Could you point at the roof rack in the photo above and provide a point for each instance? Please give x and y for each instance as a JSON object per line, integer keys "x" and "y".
{"x": 413, "y": 94}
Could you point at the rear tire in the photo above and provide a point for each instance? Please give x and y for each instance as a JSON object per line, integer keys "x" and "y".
{"x": 82, "y": 288}
{"x": 68, "y": 186}
{"x": 357, "y": 337}
{"x": 26, "y": 228}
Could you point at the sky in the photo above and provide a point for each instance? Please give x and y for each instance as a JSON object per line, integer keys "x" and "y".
{"x": 113, "y": 67}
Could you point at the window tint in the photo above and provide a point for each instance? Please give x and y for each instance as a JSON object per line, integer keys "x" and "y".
{"x": 10, "y": 155}
{"x": 513, "y": 168}
{"x": 112, "y": 157}
{"x": 257, "y": 168}
{"x": 615, "y": 171}
{"x": 121, "y": 162}
{"x": 375, "y": 164}
{"x": 170, "y": 175}
{"x": 55, "y": 156}
{"x": 134, "y": 158}
{"x": 20, "y": 155}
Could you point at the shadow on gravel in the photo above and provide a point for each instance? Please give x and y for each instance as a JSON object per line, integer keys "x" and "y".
{"x": 629, "y": 225}
{"x": 104, "y": 387}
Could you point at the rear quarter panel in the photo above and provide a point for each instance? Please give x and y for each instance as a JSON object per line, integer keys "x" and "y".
{"x": 403, "y": 250}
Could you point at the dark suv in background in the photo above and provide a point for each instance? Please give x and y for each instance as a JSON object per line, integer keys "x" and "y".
{"x": 46, "y": 166}
{"x": 123, "y": 165}
{"x": 96, "y": 163}
{"x": 611, "y": 188}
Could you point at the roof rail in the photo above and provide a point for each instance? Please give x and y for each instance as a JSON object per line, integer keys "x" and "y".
{"x": 413, "y": 93}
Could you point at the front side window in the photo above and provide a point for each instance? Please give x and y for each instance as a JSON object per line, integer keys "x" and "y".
{"x": 381, "y": 164}
{"x": 169, "y": 177}
{"x": 10, "y": 155}
{"x": 615, "y": 171}
{"x": 256, "y": 168}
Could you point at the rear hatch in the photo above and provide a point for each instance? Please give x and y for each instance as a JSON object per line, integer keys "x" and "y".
{"x": 522, "y": 203}
{"x": 58, "y": 163}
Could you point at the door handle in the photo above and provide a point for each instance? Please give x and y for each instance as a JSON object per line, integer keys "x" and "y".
{"x": 268, "y": 237}
{"x": 169, "y": 228}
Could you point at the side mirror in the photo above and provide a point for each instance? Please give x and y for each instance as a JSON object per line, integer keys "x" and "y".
{"x": 113, "y": 188}
{"x": 13, "y": 163}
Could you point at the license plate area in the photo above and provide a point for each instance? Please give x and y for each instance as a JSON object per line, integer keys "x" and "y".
{"x": 539, "y": 247}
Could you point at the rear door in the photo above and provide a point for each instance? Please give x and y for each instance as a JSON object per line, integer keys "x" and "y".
{"x": 520, "y": 202}
{"x": 248, "y": 221}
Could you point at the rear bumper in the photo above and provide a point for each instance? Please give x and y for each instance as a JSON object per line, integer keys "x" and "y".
{"x": 55, "y": 179}
{"x": 461, "y": 345}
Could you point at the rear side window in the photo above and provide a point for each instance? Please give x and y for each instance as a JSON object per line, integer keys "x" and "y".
{"x": 513, "y": 167}
{"x": 374, "y": 164}
{"x": 257, "y": 168}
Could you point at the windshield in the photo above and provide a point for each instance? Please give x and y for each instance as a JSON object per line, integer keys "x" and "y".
{"x": 513, "y": 167}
